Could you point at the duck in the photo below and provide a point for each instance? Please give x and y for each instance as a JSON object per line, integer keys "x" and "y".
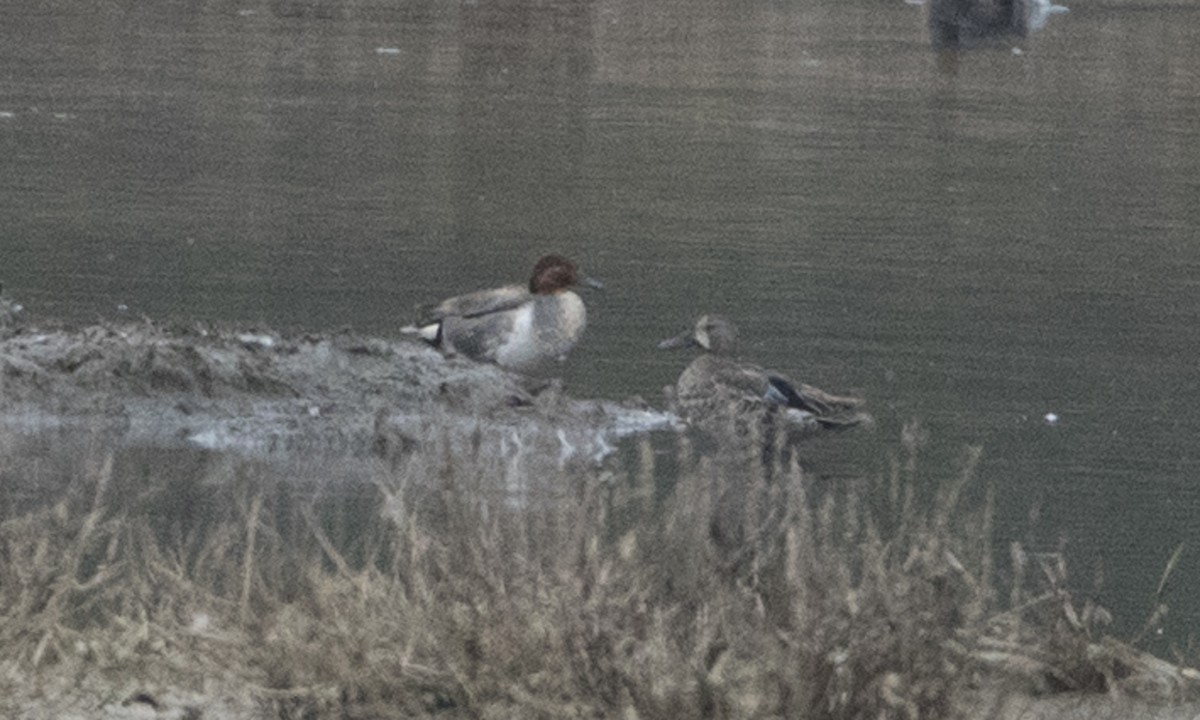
{"x": 955, "y": 24}
{"x": 719, "y": 392}
{"x": 521, "y": 327}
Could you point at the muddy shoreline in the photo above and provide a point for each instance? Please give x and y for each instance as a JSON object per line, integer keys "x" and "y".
{"x": 271, "y": 395}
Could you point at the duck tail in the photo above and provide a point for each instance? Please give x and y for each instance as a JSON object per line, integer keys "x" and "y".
{"x": 431, "y": 333}
{"x": 832, "y": 402}
{"x": 845, "y": 420}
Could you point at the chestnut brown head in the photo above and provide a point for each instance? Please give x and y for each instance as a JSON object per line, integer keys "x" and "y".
{"x": 555, "y": 273}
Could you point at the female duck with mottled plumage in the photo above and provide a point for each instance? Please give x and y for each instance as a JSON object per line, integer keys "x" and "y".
{"x": 718, "y": 392}
{"x": 518, "y": 327}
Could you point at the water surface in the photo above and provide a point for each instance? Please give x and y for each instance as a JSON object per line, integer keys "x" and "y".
{"x": 974, "y": 249}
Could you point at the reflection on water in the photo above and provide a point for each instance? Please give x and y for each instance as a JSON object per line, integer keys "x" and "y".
{"x": 974, "y": 250}
{"x": 955, "y": 24}
{"x": 958, "y": 23}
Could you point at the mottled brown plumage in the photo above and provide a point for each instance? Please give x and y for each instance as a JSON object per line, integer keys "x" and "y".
{"x": 717, "y": 391}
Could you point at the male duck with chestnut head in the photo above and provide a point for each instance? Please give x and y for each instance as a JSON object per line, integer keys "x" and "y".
{"x": 524, "y": 328}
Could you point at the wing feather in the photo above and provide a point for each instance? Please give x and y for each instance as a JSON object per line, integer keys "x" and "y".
{"x": 475, "y": 304}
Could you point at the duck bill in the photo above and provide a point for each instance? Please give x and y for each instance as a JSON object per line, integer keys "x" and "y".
{"x": 683, "y": 340}
{"x": 590, "y": 282}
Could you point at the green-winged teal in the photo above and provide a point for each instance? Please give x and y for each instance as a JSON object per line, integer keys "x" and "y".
{"x": 518, "y": 327}
{"x": 719, "y": 392}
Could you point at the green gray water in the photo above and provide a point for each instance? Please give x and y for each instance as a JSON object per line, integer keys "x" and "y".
{"x": 974, "y": 249}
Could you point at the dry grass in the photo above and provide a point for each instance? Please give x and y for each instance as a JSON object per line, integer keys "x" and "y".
{"x": 721, "y": 592}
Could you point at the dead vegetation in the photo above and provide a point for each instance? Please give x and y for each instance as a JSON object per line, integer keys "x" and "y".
{"x": 698, "y": 590}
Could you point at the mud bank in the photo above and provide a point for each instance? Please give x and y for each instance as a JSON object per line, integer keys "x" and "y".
{"x": 265, "y": 394}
